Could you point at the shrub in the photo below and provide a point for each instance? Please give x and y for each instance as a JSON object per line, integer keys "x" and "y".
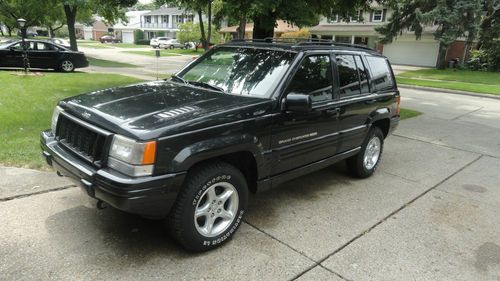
{"x": 485, "y": 59}
{"x": 138, "y": 36}
{"x": 160, "y": 33}
{"x": 301, "y": 33}
{"x": 142, "y": 42}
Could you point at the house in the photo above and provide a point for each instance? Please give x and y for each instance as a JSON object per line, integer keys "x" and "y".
{"x": 165, "y": 20}
{"x": 281, "y": 27}
{"x": 125, "y": 30}
{"x": 93, "y": 32}
{"x": 404, "y": 50}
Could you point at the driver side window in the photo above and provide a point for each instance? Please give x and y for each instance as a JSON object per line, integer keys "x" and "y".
{"x": 314, "y": 77}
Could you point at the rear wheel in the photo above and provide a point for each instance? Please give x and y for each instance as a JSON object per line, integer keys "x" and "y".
{"x": 210, "y": 207}
{"x": 364, "y": 164}
{"x": 66, "y": 66}
{"x": 171, "y": 47}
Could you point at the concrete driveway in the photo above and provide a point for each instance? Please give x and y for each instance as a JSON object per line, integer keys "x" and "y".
{"x": 431, "y": 212}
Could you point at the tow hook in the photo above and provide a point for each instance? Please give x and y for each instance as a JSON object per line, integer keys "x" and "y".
{"x": 101, "y": 205}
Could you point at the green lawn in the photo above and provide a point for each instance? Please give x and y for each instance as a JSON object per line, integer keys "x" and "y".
{"x": 408, "y": 113}
{"x": 168, "y": 53}
{"x": 463, "y": 80}
{"x": 108, "y": 63}
{"x": 128, "y": 45}
{"x": 26, "y": 104}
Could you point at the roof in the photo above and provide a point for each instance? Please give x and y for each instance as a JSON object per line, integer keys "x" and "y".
{"x": 167, "y": 11}
{"x": 281, "y": 27}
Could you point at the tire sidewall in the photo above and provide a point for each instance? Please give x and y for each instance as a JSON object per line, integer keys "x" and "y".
{"x": 374, "y": 132}
{"x": 61, "y": 66}
{"x": 191, "y": 234}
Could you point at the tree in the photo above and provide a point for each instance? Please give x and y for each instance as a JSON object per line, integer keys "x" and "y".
{"x": 190, "y": 32}
{"x": 110, "y": 10}
{"x": 32, "y": 11}
{"x": 490, "y": 24}
{"x": 264, "y": 13}
{"x": 453, "y": 19}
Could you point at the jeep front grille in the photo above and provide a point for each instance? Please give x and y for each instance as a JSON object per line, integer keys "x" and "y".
{"x": 82, "y": 141}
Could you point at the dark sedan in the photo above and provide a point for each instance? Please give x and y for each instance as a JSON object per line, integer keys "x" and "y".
{"x": 109, "y": 39}
{"x": 41, "y": 54}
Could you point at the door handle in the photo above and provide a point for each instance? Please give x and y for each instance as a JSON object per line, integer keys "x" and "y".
{"x": 371, "y": 101}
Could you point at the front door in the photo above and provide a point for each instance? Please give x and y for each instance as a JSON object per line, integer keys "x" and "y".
{"x": 299, "y": 138}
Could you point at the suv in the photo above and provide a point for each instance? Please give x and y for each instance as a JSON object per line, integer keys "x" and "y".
{"x": 155, "y": 42}
{"x": 244, "y": 117}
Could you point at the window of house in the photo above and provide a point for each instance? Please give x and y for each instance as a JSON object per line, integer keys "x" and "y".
{"x": 377, "y": 15}
{"x": 190, "y": 18}
{"x": 381, "y": 73}
{"x": 357, "y": 17}
{"x": 333, "y": 18}
{"x": 164, "y": 19}
{"x": 348, "y": 76}
{"x": 147, "y": 19}
{"x": 314, "y": 77}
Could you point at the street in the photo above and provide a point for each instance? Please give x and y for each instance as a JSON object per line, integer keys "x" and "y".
{"x": 430, "y": 212}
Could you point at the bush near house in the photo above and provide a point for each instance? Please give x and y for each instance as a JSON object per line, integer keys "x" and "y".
{"x": 485, "y": 59}
{"x": 139, "y": 38}
{"x": 301, "y": 33}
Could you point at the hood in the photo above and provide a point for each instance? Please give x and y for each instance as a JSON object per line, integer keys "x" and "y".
{"x": 155, "y": 109}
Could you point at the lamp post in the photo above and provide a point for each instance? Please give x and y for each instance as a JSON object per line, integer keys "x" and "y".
{"x": 22, "y": 25}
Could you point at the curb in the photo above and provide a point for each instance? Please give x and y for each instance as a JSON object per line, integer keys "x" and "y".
{"x": 448, "y": 91}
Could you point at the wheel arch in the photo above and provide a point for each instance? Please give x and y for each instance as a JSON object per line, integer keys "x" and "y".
{"x": 381, "y": 118}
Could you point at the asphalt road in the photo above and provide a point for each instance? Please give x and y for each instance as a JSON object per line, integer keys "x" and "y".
{"x": 429, "y": 213}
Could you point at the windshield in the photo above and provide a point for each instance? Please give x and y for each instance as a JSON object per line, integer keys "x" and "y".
{"x": 241, "y": 71}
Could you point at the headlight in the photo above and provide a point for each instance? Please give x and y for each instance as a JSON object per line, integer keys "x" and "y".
{"x": 132, "y": 158}
{"x": 55, "y": 116}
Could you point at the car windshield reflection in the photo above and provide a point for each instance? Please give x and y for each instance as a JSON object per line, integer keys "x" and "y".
{"x": 241, "y": 71}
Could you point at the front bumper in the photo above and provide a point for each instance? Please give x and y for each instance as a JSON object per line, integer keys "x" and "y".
{"x": 147, "y": 196}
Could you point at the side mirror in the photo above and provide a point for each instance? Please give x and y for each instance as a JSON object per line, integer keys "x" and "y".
{"x": 298, "y": 102}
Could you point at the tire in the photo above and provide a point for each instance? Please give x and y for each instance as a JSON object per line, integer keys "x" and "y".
{"x": 192, "y": 231}
{"x": 371, "y": 149}
{"x": 66, "y": 66}
{"x": 171, "y": 47}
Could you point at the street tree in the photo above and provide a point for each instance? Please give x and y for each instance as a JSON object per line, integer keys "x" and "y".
{"x": 452, "y": 19}
{"x": 110, "y": 10}
{"x": 32, "y": 11}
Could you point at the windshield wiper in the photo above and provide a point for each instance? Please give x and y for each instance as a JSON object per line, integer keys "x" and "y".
{"x": 206, "y": 85}
{"x": 178, "y": 78}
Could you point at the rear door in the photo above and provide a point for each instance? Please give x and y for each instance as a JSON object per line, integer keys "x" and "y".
{"x": 299, "y": 138}
{"x": 44, "y": 55}
{"x": 356, "y": 101}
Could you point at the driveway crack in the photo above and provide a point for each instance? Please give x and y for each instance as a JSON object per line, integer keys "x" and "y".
{"x": 36, "y": 193}
{"x": 363, "y": 233}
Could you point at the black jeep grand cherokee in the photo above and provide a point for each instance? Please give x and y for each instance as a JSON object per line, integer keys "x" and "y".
{"x": 244, "y": 117}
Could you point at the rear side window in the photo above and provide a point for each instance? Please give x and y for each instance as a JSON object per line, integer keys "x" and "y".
{"x": 363, "y": 76}
{"x": 381, "y": 73}
{"x": 348, "y": 75}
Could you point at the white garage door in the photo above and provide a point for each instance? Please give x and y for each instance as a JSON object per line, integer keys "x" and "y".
{"x": 128, "y": 37}
{"x": 412, "y": 53}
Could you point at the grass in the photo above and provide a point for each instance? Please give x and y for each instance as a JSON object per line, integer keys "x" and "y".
{"x": 168, "y": 53}
{"x": 108, "y": 63}
{"x": 128, "y": 45}
{"x": 94, "y": 45}
{"x": 26, "y": 104}
{"x": 151, "y": 53}
{"x": 463, "y": 80}
{"x": 408, "y": 113}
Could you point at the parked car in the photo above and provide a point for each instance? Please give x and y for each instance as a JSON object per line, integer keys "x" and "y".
{"x": 29, "y": 33}
{"x": 171, "y": 44}
{"x": 41, "y": 54}
{"x": 60, "y": 41}
{"x": 155, "y": 42}
{"x": 109, "y": 39}
{"x": 244, "y": 117}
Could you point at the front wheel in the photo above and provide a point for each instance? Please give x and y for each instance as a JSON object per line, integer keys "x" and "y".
{"x": 210, "y": 207}
{"x": 364, "y": 164}
{"x": 67, "y": 66}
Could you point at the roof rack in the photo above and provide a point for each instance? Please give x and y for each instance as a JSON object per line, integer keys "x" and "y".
{"x": 297, "y": 42}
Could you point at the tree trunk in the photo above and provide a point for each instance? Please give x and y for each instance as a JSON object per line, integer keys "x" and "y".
{"x": 443, "y": 49}
{"x": 243, "y": 25}
{"x": 1, "y": 30}
{"x": 209, "y": 31}
{"x": 9, "y": 31}
{"x": 51, "y": 32}
{"x": 70, "y": 20}
{"x": 202, "y": 31}
{"x": 264, "y": 25}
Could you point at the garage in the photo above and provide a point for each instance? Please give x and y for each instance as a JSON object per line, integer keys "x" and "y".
{"x": 128, "y": 36}
{"x": 419, "y": 53}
